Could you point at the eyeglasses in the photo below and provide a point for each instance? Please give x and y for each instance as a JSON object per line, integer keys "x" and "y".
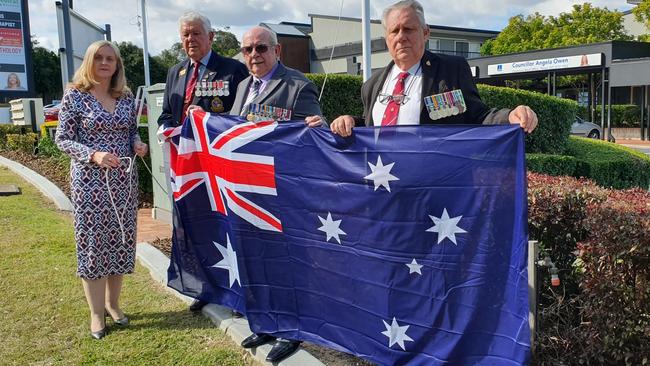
{"x": 260, "y": 48}
{"x": 400, "y": 99}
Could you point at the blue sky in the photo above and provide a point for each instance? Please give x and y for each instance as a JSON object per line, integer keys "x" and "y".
{"x": 240, "y": 15}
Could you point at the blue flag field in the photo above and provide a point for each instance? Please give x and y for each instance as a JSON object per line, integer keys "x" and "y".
{"x": 404, "y": 246}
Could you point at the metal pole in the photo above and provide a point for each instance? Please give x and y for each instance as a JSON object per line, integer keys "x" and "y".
{"x": 107, "y": 32}
{"x": 643, "y": 96}
{"x": 548, "y": 83}
{"x": 365, "y": 38}
{"x": 554, "y": 84}
{"x": 145, "y": 49}
{"x": 602, "y": 102}
{"x": 609, "y": 113}
{"x": 67, "y": 34}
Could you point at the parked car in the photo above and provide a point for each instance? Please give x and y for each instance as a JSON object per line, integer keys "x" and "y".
{"x": 51, "y": 112}
{"x": 586, "y": 129}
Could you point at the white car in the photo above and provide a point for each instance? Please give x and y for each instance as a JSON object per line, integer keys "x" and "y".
{"x": 586, "y": 129}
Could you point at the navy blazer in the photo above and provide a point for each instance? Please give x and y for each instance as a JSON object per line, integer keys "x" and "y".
{"x": 440, "y": 73}
{"x": 218, "y": 68}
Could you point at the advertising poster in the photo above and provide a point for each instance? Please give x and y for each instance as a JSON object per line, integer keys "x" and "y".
{"x": 13, "y": 48}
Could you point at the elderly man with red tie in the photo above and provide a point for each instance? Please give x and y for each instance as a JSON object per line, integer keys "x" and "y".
{"x": 204, "y": 79}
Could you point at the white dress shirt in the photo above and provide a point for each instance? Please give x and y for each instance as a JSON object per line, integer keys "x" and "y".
{"x": 409, "y": 113}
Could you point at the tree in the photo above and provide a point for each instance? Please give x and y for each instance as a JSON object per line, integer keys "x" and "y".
{"x": 47, "y": 72}
{"x": 134, "y": 66}
{"x": 642, "y": 14}
{"x": 225, "y": 43}
{"x": 172, "y": 55}
{"x": 584, "y": 24}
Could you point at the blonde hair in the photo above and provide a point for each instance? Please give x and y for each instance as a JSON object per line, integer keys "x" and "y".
{"x": 85, "y": 79}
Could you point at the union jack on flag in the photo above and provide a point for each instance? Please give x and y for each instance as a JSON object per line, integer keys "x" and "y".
{"x": 402, "y": 245}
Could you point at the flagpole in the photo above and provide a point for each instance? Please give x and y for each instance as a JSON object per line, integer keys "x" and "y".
{"x": 365, "y": 39}
{"x": 145, "y": 47}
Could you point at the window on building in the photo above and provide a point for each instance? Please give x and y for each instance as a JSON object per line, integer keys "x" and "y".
{"x": 462, "y": 48}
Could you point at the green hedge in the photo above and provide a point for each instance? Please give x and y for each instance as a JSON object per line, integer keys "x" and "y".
{"x": 609, "y": 165}
{"x": 555, "y": 116}
{"x": 623, "y": 115}
{"x": 343, "y": 96}
{"x": 8, "y": 130}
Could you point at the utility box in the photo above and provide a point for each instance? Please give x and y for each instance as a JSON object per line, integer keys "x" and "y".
{"x": 162, "y": 206}
{"x": 22, "y": 113}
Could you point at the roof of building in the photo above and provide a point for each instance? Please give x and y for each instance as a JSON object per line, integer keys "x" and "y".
{"x": 431, "y": 26}
{"x": 284, "y": 29}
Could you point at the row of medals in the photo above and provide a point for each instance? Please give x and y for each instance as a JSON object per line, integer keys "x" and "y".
{"x": 212, "y": 88}
{"x": 447, "y": 104}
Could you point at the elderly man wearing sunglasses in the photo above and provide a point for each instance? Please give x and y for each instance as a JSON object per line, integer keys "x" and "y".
{"x": 272, "y": 89}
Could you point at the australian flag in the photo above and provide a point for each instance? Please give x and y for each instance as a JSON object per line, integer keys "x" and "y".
{"x": 403, "y": 245}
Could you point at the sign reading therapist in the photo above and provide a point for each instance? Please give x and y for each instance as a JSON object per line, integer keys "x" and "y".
{"x": 547, "y": 64}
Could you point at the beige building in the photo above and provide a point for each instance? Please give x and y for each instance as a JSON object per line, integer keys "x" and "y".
{"x": 632, "y": 26}
{"x": 308, "y": 47}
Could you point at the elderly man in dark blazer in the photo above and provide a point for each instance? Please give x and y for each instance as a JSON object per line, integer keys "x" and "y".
{"x": 273, "y": 90}
{"x": 419, "y": 87}
{"x": 204, "y": 79}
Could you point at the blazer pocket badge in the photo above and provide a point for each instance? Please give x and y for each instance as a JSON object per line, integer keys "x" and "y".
{"x": 216, "y": 105}
{"x": 446, "y": 104}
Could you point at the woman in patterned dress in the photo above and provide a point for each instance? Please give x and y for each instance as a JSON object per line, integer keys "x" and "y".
{"x": 97, "y": 128}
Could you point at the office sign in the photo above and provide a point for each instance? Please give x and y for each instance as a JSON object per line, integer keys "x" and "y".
{"x": 15, "y": 49}
{"x": 547, "y": 64}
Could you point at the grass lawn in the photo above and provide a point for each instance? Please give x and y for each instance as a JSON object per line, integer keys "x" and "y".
{"x": 45, "y": 316}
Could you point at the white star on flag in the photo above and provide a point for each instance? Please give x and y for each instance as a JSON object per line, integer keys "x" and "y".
{"x": 446, "y": 227}
{"x": 414, "y": 267}
{"x": 381, "y": 174}
{"x": 331, "y": 228}
{"x": 229, "y": 261}
{"x": 396, "y": 334}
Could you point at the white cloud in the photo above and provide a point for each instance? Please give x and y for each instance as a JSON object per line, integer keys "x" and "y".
{"x": 242, "y": 14}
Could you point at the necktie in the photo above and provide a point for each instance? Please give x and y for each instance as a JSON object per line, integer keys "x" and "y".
{"x": 189, "y": 90}
{"x": 252, "y": 94}
{"x": 392, "y": 109}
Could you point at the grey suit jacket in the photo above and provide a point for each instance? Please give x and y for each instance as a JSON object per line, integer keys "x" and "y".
{"x": 440, "y": 73}
{"x": 287, "y": 89}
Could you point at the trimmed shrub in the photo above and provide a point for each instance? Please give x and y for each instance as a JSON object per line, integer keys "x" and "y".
{"x": 599, "y": 240}
{"x": 615, "y": 299}
{"x": 342, "y": 94}
{"x": 555, "y": 116}
{"x": 623, "y": 115}
{"x": 24, "y": 143}
{"x": 610, "y": 165}
{"x": 8, "y": 130}
{"x": 552, "y": 164}
{"x": 145, "y": 182}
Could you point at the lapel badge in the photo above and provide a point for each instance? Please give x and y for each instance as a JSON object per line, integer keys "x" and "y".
{"x": 182, "y": 72}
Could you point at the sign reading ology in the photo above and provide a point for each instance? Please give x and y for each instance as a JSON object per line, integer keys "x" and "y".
{"x": 13, "y": 57}
{"x": 547, "y": 64}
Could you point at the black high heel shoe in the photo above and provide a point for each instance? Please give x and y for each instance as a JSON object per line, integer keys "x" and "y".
{"x": 122, "y": 322}
{"x": 99, "y": 334}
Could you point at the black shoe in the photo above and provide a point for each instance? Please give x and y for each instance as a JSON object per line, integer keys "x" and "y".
{"x": 282, "y": 349}
{"x": 99, "y": 334}
{"x": 197, "y": 305}
{"x": 255, "y": 340}
{"x": 122, "y": 322}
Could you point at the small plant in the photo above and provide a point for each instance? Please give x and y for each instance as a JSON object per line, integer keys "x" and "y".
{"x": 24, "y": 143}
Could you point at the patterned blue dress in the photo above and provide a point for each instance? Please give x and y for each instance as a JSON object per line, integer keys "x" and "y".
{"x": 85, "y": 127}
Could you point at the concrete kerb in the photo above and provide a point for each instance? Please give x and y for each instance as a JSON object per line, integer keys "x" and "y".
{"x": 236, "y": 328}
{"x": 46, "y": 187}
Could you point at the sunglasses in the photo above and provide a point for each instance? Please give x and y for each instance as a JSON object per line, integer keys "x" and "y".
{"x": 260, "y": 48}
